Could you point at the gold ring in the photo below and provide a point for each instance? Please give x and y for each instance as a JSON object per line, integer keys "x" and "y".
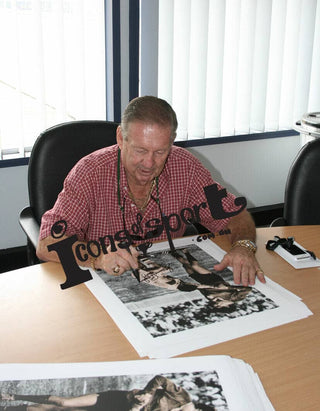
{"x": 116, "y": 269}
{"x": 260, "y": 271}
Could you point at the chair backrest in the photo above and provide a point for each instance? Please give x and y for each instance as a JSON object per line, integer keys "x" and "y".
{"x": 54, "y": 154}
{"x": 302, "y": 194}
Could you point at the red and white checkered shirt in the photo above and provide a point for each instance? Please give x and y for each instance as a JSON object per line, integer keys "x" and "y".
{"x": 90, "y": 204}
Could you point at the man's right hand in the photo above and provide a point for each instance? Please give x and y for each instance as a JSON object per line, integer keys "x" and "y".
{"x": 113, "y": 263}
{"x": 117, "y": 262}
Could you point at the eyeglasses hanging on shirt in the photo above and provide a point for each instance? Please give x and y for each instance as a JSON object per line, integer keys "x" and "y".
{"x": 153, "y": 233}
{"x": 137, "y": 226}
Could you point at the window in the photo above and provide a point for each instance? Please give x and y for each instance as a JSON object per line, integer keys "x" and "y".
{"x": 52, "y": 68}
{"x": 228, "y": 67}
{"x": 232, "y": 67}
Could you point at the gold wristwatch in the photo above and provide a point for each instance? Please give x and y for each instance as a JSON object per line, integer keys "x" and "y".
{"x": 248, "y": 244}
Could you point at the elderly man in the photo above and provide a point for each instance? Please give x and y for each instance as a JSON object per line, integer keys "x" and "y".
{"x": 142, "y": 189}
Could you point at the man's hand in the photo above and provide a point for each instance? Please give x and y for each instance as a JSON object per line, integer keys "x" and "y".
{"x": 117, "y": 262}
{"x": 244, "y": 264}
{"x": 113, "y": 263}
{"x": 242, "y": 260}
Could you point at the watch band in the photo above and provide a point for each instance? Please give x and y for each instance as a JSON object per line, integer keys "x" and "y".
{"x": 248, "y": 244}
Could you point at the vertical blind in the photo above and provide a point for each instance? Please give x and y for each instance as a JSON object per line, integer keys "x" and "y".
{"x": 52, "y": 68}
{"x": 233, "y": 67}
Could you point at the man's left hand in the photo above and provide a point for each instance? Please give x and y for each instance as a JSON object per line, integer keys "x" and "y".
{"x": 244, "y": 264}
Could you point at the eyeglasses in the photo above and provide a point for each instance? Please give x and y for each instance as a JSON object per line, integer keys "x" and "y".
{"x": 150, "y": 234}
{"x": 137, "y": 234}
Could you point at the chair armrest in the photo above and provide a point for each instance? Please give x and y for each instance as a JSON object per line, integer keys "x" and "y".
{"x": 278, "y": 222}
{"x": 29, "y": 225}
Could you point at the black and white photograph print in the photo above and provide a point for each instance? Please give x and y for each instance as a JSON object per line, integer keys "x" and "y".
{"x": 181, "y": 303}
{"x": 180, "y": 290}
{"x": 219, "y": 383}
{"x": 173, "y": 391}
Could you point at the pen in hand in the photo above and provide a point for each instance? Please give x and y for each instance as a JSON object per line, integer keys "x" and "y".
{"x": 134, "y": 271}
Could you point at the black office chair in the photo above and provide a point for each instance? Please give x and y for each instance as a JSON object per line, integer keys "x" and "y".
{"x": 54, "y": 154}
{"x": 302, "y": 193}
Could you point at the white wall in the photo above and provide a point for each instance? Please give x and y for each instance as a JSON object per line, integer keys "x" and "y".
{"x": 255, "y": 169}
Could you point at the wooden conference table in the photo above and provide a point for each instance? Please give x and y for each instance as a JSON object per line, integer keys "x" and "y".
{"x": 41, "y": 323}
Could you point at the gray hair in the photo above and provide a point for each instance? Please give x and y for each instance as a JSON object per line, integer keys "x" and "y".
{"x": 149, "y": 109}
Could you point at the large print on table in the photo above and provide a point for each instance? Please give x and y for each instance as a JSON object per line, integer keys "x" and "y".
{"x": 182, "y": 304}
{"x": 183, "y": 295}
{"x": 115, "y": 393}
{"x": 217, "y": 383}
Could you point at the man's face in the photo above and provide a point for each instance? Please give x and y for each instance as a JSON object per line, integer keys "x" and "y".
{"x": 144, "y": 151}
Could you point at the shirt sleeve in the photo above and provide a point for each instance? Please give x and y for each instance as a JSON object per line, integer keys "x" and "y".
{"x": 200, "y": 178}
{"x": 72, "y": 205}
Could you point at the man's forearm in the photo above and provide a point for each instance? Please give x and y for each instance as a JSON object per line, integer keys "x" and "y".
{"x": 45, "y": 255}
{"x": 242, "y": 227}
{"x": 241, "y": 255}
{"x": 114, "y": 260}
